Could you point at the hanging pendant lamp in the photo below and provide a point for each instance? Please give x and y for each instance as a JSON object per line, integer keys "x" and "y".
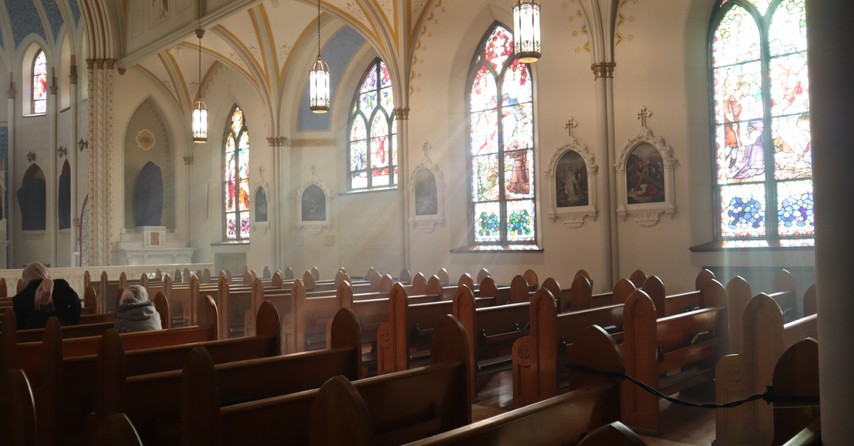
{"x": 200, "y": 110}
{"x": 318, "y": 78}
{"x": 526, "y": 31}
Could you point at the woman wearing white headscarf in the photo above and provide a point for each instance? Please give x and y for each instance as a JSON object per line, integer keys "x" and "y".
{"x": 43, "y": 297}
{"x": 136, "y": 312}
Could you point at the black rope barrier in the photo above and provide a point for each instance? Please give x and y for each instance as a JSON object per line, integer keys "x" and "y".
{"x": 768, "y": 395}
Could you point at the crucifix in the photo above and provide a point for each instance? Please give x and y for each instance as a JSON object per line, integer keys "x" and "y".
{"x": 426, "y": 147}
{"x": 313, "y": 170}
{"x": 570, "y": 124}
{"x": 643, "y": 114}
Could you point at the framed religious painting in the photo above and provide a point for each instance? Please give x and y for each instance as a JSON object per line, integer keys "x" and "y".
{"x": 313, "y": 208}
{"x": 573, "y": 173}
{"x": 645, "y": 185}
{"x": 426, "y": 195}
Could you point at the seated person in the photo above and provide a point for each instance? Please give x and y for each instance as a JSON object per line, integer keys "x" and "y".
{"x": 136, "y": 312}
{"x": 43, "y": 297}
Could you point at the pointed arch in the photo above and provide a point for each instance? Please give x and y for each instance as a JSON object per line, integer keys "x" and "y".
{"x": 761, "y": 138}
{"x": 500, "y": 106}
{"x": 372, "y": 147}
{"x": 32, "y": 199}
{"x": 236, "y": 221}
{"x": 63, "y": 201}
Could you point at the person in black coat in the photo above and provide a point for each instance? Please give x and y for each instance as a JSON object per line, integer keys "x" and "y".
{"x": 43, "y": 297}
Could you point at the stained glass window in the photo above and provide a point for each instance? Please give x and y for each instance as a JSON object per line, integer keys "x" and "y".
{"x": 39, "y": 98}
{"x": 373, "y": 132}
{"x": 501, "y": 144}
{"x": 760, "y": 86}
{"x": 236, "y": 176}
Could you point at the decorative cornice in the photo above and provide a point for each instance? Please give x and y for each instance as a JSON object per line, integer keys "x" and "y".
{"x": 278, "y": 141}
{"x": 401, "y": 113}
{"x": 603, "y": 69}
{"x": 312, "y": 142}
{"x": 101, "y": 64}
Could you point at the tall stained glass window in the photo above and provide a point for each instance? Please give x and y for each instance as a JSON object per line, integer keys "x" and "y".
{"x": 501, "y": 144}
{"x": 763, "y": 159}
{"x": 236, "y": 176}
{"x": 373, "y": 132}
{"x": 39, "y": 70}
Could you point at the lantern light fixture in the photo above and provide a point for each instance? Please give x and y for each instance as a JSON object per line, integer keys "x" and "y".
{"x": 318, "y": 78}
{"x": 200, "y": 110}
{"x": 526, "y": 31}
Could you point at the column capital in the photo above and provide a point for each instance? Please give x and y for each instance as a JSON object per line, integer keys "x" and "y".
{"x": 278, "y": 141}
{"x": 603, "y": 69}
{"x": 401, "y": 113}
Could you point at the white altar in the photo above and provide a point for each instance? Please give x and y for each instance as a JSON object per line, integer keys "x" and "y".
{"x": 151, "y": 245}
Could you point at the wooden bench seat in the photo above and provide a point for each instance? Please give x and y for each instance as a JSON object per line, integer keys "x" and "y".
{"x": 765, "y": 338}
{"x": 561, "y": 420}
{"x": 394, "y": 399}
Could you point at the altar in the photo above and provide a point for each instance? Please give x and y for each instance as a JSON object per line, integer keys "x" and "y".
{"x": 151, "y": 245}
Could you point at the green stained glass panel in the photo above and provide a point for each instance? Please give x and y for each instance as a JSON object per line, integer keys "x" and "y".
{"x": 485, "y": 181}
{"x": 521, "y": 219}
{"x": 487, "y": 226}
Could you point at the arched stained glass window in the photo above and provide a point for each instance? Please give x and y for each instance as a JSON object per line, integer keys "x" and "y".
{"x": 39, "y": 91}
{"x": 236, "y": 176}
{"x": 763, "y": 159}
{"x": 501, "y": 144}
{"x": 373, "y": 132}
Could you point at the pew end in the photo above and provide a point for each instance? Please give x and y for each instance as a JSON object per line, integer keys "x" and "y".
{"x": 116, "y": 430}
{"x": 612, "y": 434}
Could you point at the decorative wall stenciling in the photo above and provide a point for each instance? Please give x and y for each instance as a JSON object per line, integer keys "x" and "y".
{"x": 645, "y": 178}
{"x": 145, "y": 139}
{"x": 426, "y": 194}
{"x": 573, "y": 173}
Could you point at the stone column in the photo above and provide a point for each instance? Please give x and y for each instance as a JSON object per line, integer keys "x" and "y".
{"x": 99, "y": 244}
{"x": 275, "y": 198}
{"x": 51, "y": 214}
{"x": 829, "y": 55}
{"x": 7, "y": 244}
{"x": 603, "y": 75}
{"x": 401, "y": 114}
{"x": 72, "y": 160}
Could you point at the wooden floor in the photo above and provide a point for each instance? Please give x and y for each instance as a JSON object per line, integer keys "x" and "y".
{"x": 680, "y": 425}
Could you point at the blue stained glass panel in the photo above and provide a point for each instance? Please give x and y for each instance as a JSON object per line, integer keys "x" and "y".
{"x": 792, "y": 147}
{"x": 743, "y": 210}
{"x": 795, "y": 208}
{"x": 518, "y": 125}
{"x": 789, "y": 85}
{"x": 484, "y": 132}
{"x": 387, "y": 100}
{"x": 521, "y": 219}
{"x": 487, "y": 226}
{"x": 519, "y": 174}
{"x": 736, "y": 40}
{"x": 358, "y": 155}
{"x": 370, "y": 82}
{"x": 484, "y": 92}
{"x": 517, "y": 87}
{"x": 788, "y": 30}
{"x": 367, "y": 102}
{"x": 485, "y": 181}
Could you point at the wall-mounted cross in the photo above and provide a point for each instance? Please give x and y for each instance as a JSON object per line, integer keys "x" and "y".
{"x": 643, "y": 114}
{"x": 426, "y": 147}
{"x": 570, "y": 124}
{"x": 313, "y": 170}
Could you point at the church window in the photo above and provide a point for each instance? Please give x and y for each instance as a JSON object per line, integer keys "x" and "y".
{"x": 762, "y": 152}
{"x": 502, "y": 204}
{"x": 373, "y": 132}
{"x": 236, "y": 176}
{"x": 39, "y": 91}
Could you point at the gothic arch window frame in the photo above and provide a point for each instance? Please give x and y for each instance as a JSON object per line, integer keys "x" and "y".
{"x": 733, "y": 225}
{"x": 646, "y": 214}
{"x": 391, "y": 121}
{"x": 503, "y": 239}
{"x": 314, "y": 227}
{"x": 573, "y": 216}
{"x": 236, "y": 211}
{"x": 35, "y": 47}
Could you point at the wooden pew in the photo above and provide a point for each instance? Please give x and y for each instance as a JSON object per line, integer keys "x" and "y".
{"x": 796, "y": 375}
{"x": 17, "y": 408}
{"x": 739, "y": 293}
{"x": 397, "y": 407}
{"x": 565, "y": 419}
{"x": 116, "y": 430}
{"x": 152, "y": 401}
{"x": 690, "y": 342}
{"x": 739, "y": 375}
{"x": 402, "y": 406}
{"x": 537, "y": 357}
